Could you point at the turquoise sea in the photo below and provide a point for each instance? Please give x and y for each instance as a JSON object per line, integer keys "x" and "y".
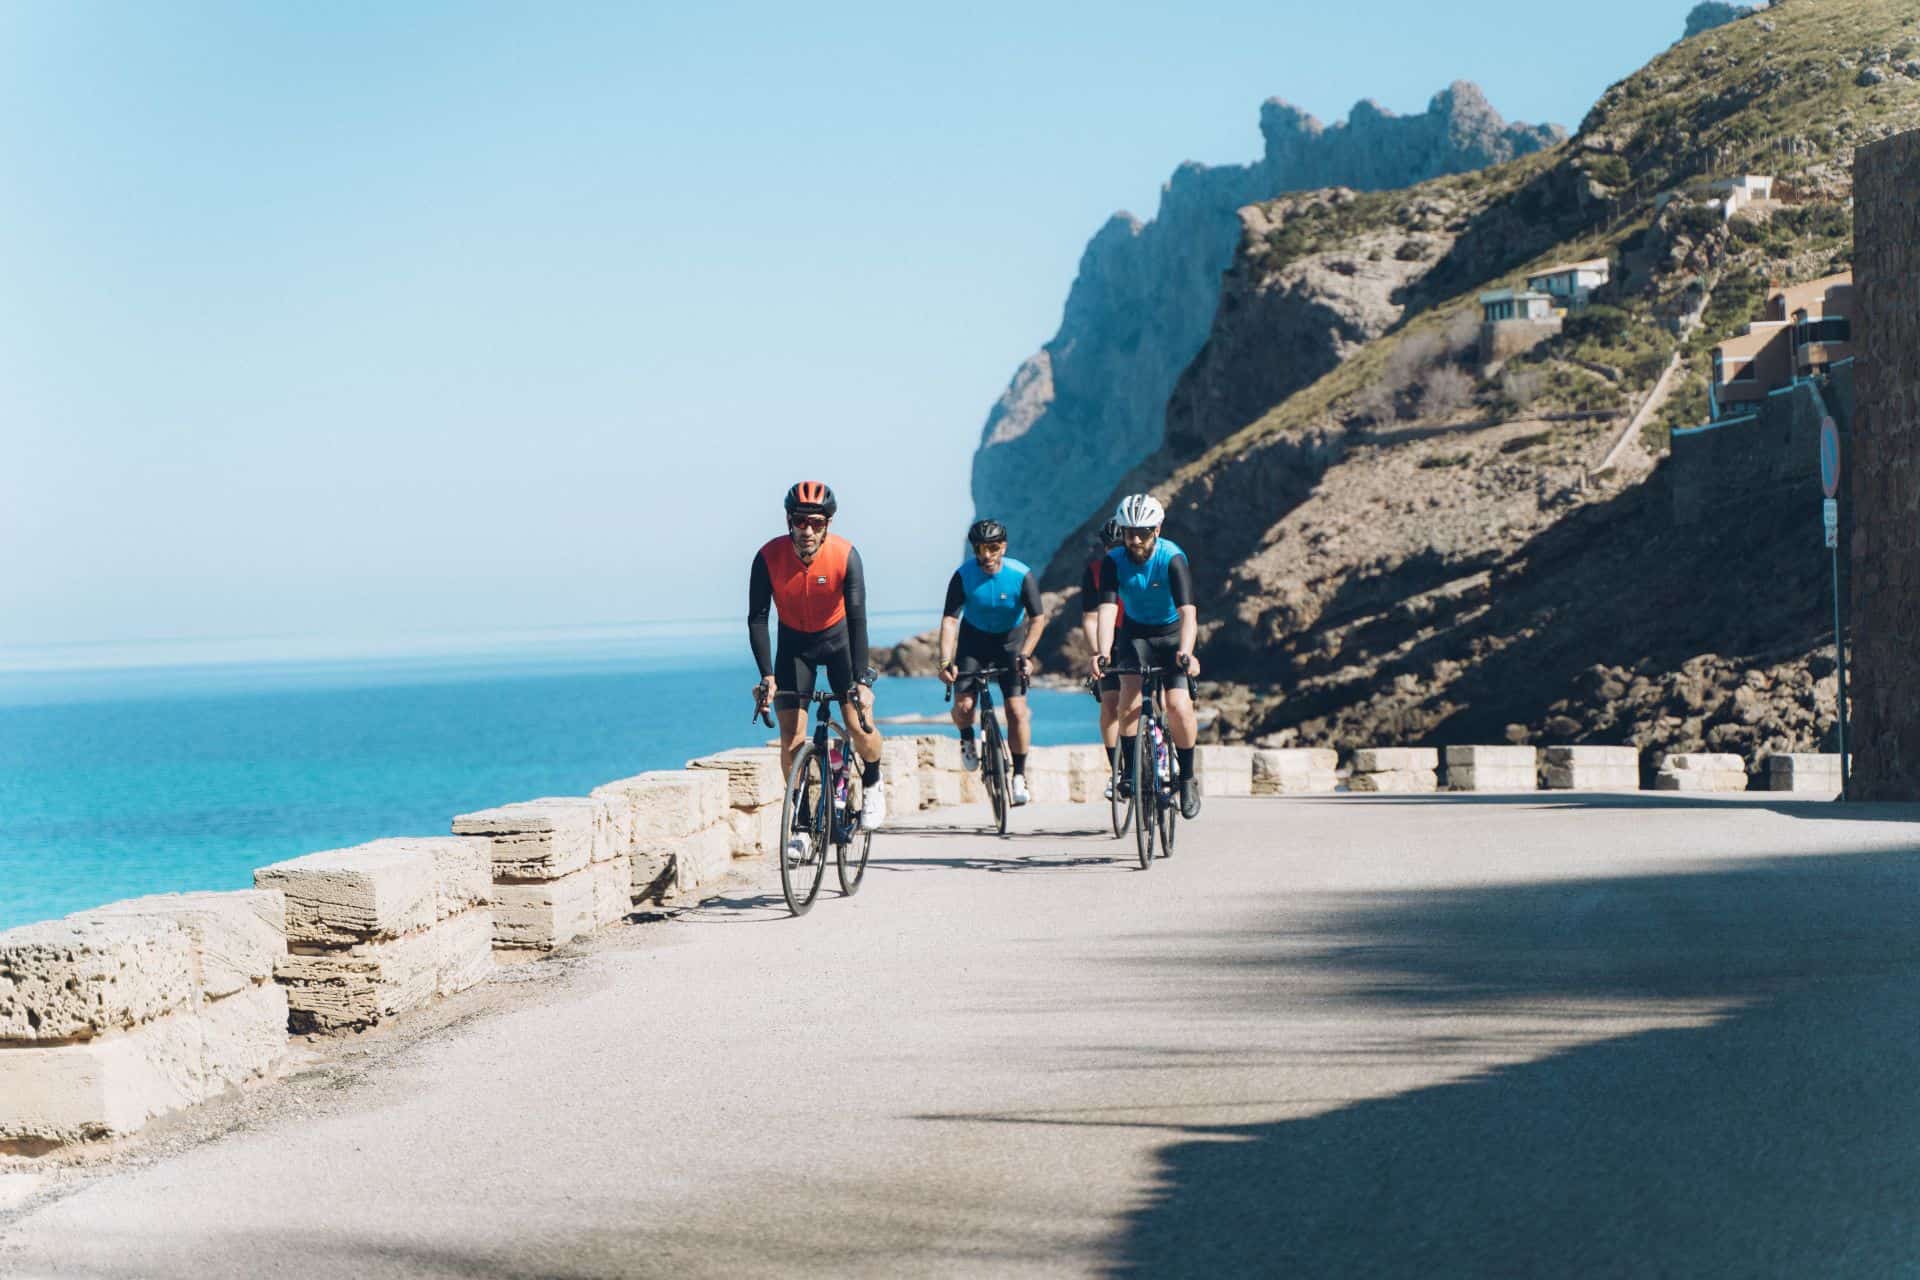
{"x": 124, "y": 780}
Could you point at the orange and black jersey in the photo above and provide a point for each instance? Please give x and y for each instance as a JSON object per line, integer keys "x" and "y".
{"x": 813, "y": 598}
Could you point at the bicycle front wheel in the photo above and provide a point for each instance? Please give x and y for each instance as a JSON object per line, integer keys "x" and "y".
{"x": 1145, "y": 797}
{"x": 850, "y": 854}
{"x": 995, "y": 775}
{"x": 1169, "y": 795}
{"x": 804, "y": 829}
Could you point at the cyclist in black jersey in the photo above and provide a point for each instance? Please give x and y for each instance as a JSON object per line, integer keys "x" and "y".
{"x": 1106, "y": 686}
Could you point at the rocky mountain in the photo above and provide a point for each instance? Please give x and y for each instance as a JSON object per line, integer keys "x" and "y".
{"x": 1416, "y": 547}
{"x": 1092, "y": 403}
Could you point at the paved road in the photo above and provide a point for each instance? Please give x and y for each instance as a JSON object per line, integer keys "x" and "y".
{"x": 1347, "y": 1036}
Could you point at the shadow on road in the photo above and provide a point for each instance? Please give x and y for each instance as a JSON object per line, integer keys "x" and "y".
{"x": 1785, "y": 805}
{"x": 1782, "y": 1140}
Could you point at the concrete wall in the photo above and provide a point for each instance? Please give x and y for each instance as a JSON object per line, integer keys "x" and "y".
{"x": 1884, "y": 473}
{"x": 1774, "y": 455}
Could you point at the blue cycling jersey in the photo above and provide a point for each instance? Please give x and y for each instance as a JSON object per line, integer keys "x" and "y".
{"x": 1146, "y": 590}
{"x": 995, "y": 603}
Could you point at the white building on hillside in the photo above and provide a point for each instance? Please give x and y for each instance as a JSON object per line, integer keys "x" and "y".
{"x": 1570, "y": 283}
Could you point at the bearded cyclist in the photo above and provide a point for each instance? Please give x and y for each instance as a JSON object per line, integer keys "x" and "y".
{"x": 1149, "y": 576}
{"x": 1107, "y": 686}
{"x": 992, "y": 618}
{"x": 815, "y": 580}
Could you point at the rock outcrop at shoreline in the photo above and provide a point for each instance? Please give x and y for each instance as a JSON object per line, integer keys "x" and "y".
{"x": 1092, "y": 403}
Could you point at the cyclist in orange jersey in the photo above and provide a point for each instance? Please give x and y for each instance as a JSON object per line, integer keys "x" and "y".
{"x": 814, "y": 579}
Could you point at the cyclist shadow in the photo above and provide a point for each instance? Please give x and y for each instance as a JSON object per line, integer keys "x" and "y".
{"x": 1028, "y": 863}
{"x": 738, "y": 908}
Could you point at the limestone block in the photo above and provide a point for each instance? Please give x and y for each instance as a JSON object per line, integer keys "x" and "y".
{"x": 104, "y": 1087}
{"x": 972, "y": 790}
{"x": 1805, "y": 773}
{"x": 1284, "y": 771}
{"x": 753, "y": 775}
{"x": 1468, "y": 777}
{"x": 1562, "y": 777}
{"x": 1395, "y": 780}
{"x": 243, "y": 1037}
{"x": 1048, "y": 786}
{"x": 1503, "y": 757}
{"x": 538, "y": 839}
{"x": 1700, "y": 771}
{"x": 612, "y": 890}
{"x": 937, "y": 751}
{"x": 1224, "y": 770}
{"x": 237, "y": 937}
{"x": 940, "y": 788}
{"x": 361, "y": 894}
{"x": 465, "y": 951}
{"x": 1595, "y": 757}
{"x": 463, "y": 873}
{"x": 1087, "y": 772}
{"x": 1395, "y": 759}
{"x": 702, "y": 862}
{"x": 754, "y": 833}
{"x": 669, "y": 803}
{"x": 348, "y": 988}
{"x": 85, "y": 975}
{"x": 541, "y": 915}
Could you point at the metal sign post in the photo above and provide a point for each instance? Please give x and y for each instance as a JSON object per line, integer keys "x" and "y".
{"x": 1830, "y": 522}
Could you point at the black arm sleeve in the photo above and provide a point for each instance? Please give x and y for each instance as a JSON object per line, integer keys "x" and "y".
{"x": 1030, "y": 595}
{"x": 856, "y": 597}
{"x": 956, "y": 597}
{"x": 1180, "y": 581}
{"x": 1109, "y": 583}
{"x": 1090, "y": 587}
{"x": 759, "y": 602}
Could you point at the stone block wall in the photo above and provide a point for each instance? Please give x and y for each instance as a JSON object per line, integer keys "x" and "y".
{"x": 673, "y": 825}
{"x": 1883, "y": 473}
{"x": 382, "y": 928}
{"x": 560, "y": 869}
{"x": 111, "y": 1017}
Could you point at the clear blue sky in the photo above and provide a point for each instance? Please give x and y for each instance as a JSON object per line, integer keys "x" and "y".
{"x": 362, "y": 318}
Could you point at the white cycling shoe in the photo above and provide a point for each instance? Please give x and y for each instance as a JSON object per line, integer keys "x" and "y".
{"x": 799, "y": 845}
{"x": 1109, "y": 791}
{"x": 969, "y": 755}
{"x": 1020, "y": 796}
{"x": 873, "y": 806}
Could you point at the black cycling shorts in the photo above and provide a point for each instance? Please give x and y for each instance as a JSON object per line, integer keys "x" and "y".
{"x": 798, "y": 657}
{"x": 1151, "y": 647}
{"x": 978, "y": 649}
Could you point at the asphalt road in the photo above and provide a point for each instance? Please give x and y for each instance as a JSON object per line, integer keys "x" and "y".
{"x": 1347, "y": 1036}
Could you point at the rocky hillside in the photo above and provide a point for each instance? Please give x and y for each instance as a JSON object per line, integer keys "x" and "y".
{"x": 1416, "y": 547}
{"x": 1092, "y": 402}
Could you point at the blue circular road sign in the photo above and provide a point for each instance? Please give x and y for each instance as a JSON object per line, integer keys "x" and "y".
{"x": 1829, "y": 457}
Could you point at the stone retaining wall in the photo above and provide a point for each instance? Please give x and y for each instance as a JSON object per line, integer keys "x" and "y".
{"x": 560, "y": 869}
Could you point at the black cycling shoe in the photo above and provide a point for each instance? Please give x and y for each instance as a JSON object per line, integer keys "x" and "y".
{"x": 1189, "y": 798}
{"x": 1126, "y": 788}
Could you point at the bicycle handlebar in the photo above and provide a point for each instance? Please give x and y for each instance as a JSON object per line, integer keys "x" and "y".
{"x": 761, "y": 714}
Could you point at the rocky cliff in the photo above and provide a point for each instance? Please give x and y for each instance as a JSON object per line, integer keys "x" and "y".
{"x": 1092, "y": 403}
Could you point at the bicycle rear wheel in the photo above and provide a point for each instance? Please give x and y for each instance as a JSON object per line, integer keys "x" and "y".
{"x": 1144, "y": 797}
{"x": 1119, "y": 807}
{"x": 995, "y": 774}
{"x": 850, "y": 855}
{"x": 800, "y": 875}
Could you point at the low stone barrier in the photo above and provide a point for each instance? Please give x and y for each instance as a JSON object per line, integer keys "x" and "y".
{"x": 381, "y": 928}
{"x": 755, "y": 788}
{"x": 1224, "y": 770}
{"x": 1700, "y": 771}
{"x": 111, "y": 1017}
{"x": 1804, "y": 774}
{"x": 1593, "y": 769}
{"x": 1504, "y": 768}
{"x": 672, "y": 825}
{"x": 1395, "y": 769}
{"x": 559, "y": 870}
{"x": 1293, "y": 771}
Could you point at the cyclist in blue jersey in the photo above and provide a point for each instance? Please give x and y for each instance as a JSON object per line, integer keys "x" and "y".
{"x": 1148, "y": 575}
{"x": 992, "y": 618}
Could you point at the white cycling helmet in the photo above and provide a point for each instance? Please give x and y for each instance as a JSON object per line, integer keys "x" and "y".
{"x": 1139, "y": 511}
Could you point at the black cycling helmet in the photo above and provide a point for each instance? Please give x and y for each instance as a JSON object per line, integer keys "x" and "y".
{"x": 1110, "y": 534}
{"x": 811, "y": 497}
{"x": 986, "y": 531}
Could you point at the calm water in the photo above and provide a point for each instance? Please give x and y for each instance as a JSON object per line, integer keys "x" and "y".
{"x": 118, "y": 783}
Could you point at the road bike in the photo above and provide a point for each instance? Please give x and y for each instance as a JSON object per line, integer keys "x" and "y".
{"x": 822, "y": 802}
{"x": 996, "y": 763}
{"x": 1119, "y": 808}
{"x": 1156, "y": 787}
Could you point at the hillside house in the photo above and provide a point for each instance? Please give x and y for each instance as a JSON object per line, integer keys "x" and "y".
{"x": 1515, "y": 304}
{"x": 1803, "y": 331}
{"x": 1570, "y": 284}
{"x": 1739, "y": 192}
{"x": 1513, "y": 321}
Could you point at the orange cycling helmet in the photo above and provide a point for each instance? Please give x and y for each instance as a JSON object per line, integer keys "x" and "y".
{"x": 809, "y": 497}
